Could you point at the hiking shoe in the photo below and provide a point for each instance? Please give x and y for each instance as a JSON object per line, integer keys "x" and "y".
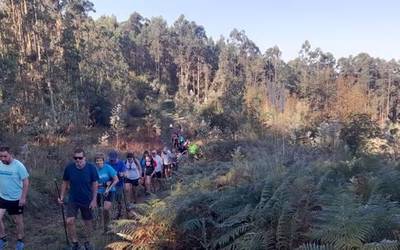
{"x": 20, "y": 245}
{"x": 130, "y": 206}
{"x": 116, "y": 217}
{"x": 3, "y": 244}
{"x": 75, "y": 246}
{"x": 88, "y": 246}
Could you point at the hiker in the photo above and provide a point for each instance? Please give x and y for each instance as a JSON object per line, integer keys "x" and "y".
{"x": 149, "y": 172}
{"x": 166, "y": 156}
{"x": 133, "y": 174}
{"x": 143, "y": 166}
{"x": 158, "y": 169}
{"x": 14, "y": 185}
{"x": 175, "y": 141}
{"x": 81, "y": 178}
{"x": 119, "y": 167}
{"x": 174, "y": 160}
{"x": 182, "y": 144}
{"x": 106, "y": 190}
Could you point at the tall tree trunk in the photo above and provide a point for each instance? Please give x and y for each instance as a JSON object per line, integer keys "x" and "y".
{"x": 198, "y": 79}
{"x": 388, "y": 95}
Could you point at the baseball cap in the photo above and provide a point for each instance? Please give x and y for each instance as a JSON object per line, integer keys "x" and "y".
{"x": 113, "y": 155}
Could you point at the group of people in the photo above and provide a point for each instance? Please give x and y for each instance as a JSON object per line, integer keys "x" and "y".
{"x": 109, "y": 182}
{"x": 106, "y": 183}
{"x": 102, "y": 184}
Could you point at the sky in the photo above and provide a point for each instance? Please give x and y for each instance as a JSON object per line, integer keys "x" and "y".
{"x": 342, "y": 27}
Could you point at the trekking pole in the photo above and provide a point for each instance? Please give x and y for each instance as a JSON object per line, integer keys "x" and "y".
{"x": 102, "y": 209}
{"x": 62, "y": 213}
{"x": 124, "y": 197}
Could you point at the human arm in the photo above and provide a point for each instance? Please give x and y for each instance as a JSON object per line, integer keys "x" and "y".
{"x": 113, "y": 183}
{"x": 93, "y": 203}
{"x": 95, "y": 185}
{"x": 64, "y": 188}
{"x": 25, "y": 187}
{"x": 138, "y": 167}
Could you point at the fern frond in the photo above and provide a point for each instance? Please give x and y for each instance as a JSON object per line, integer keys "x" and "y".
{"x": 383, "y": 245}
{"x": 312, "y": 246}
{"x": 192, "y": 224}
{"x": 283, "y": 230}
{"x": 120, "y": 245}
{"x": 231, "y": 235}
{"x": 238, "y": 218}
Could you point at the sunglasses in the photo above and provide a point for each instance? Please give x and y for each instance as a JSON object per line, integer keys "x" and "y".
{"x": 78, "y": 157}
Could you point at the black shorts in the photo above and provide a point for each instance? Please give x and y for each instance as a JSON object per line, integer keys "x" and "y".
{"x": 157, "y": 175}
{"x": 149, "y": 171}
{"x": 12, "y": 207}
{"x": 133, "y": 182}
{"x": 119, "y": 193}
{"x": 72, "y": 211}
{"x": 109, "y": 197}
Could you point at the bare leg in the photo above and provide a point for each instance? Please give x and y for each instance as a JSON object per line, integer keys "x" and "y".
{"x": 2, "y": 229}
{"x": 148, "y": 183}
{"x": 88, "y": 229}
{"x": 72, "y": 229}
{"x": 128, "y": 189}
{"x": 106, "y": 211}
{"x": 134, "y": 194}
{"x": 19, "y": 222}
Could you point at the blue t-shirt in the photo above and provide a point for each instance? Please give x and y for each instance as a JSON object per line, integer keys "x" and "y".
{"x": 119, "y": 166}
{"x": 106, "y": 173}
{"x": 11, "y": 177}
{"x": 80, "y": 182}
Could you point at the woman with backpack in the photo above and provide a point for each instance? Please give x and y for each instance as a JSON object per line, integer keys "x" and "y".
{"x": 133, "y": 174}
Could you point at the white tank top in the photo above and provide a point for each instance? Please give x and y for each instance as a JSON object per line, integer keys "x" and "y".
{"x": 131, "y": 170}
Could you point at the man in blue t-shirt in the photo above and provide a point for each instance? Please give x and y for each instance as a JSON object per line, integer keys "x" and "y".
{"x": 82, "y": 180}
{"x": 13, "y": 191}
{"x": 119, "y": 167}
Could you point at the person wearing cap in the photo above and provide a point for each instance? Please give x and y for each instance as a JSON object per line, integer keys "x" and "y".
{"x": 119, "y": 167}
{"x": 133, "y": 173}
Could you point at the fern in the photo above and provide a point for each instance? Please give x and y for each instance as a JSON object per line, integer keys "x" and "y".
{"x": 343, "y": 224}
{"x": 231, "y": 235}
{"x": 312, "y": 246}
{"x": 284, "y": 232}
{"x": 193, "y": 224}
{"x": 383, "y": 245}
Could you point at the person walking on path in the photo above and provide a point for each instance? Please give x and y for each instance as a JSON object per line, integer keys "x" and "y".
{"x": 119, "y": 167}
{"x": 158, "y": 169}
{"x": 81, "y": 178}
{"x": 143, "y": 166}
{"x": 14, "y": 185}
{"x": 149, "y": 173}
{"x": 166, "y": 156}
{"x": 106, "y": 189}
{"x": 133, "y": 174}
